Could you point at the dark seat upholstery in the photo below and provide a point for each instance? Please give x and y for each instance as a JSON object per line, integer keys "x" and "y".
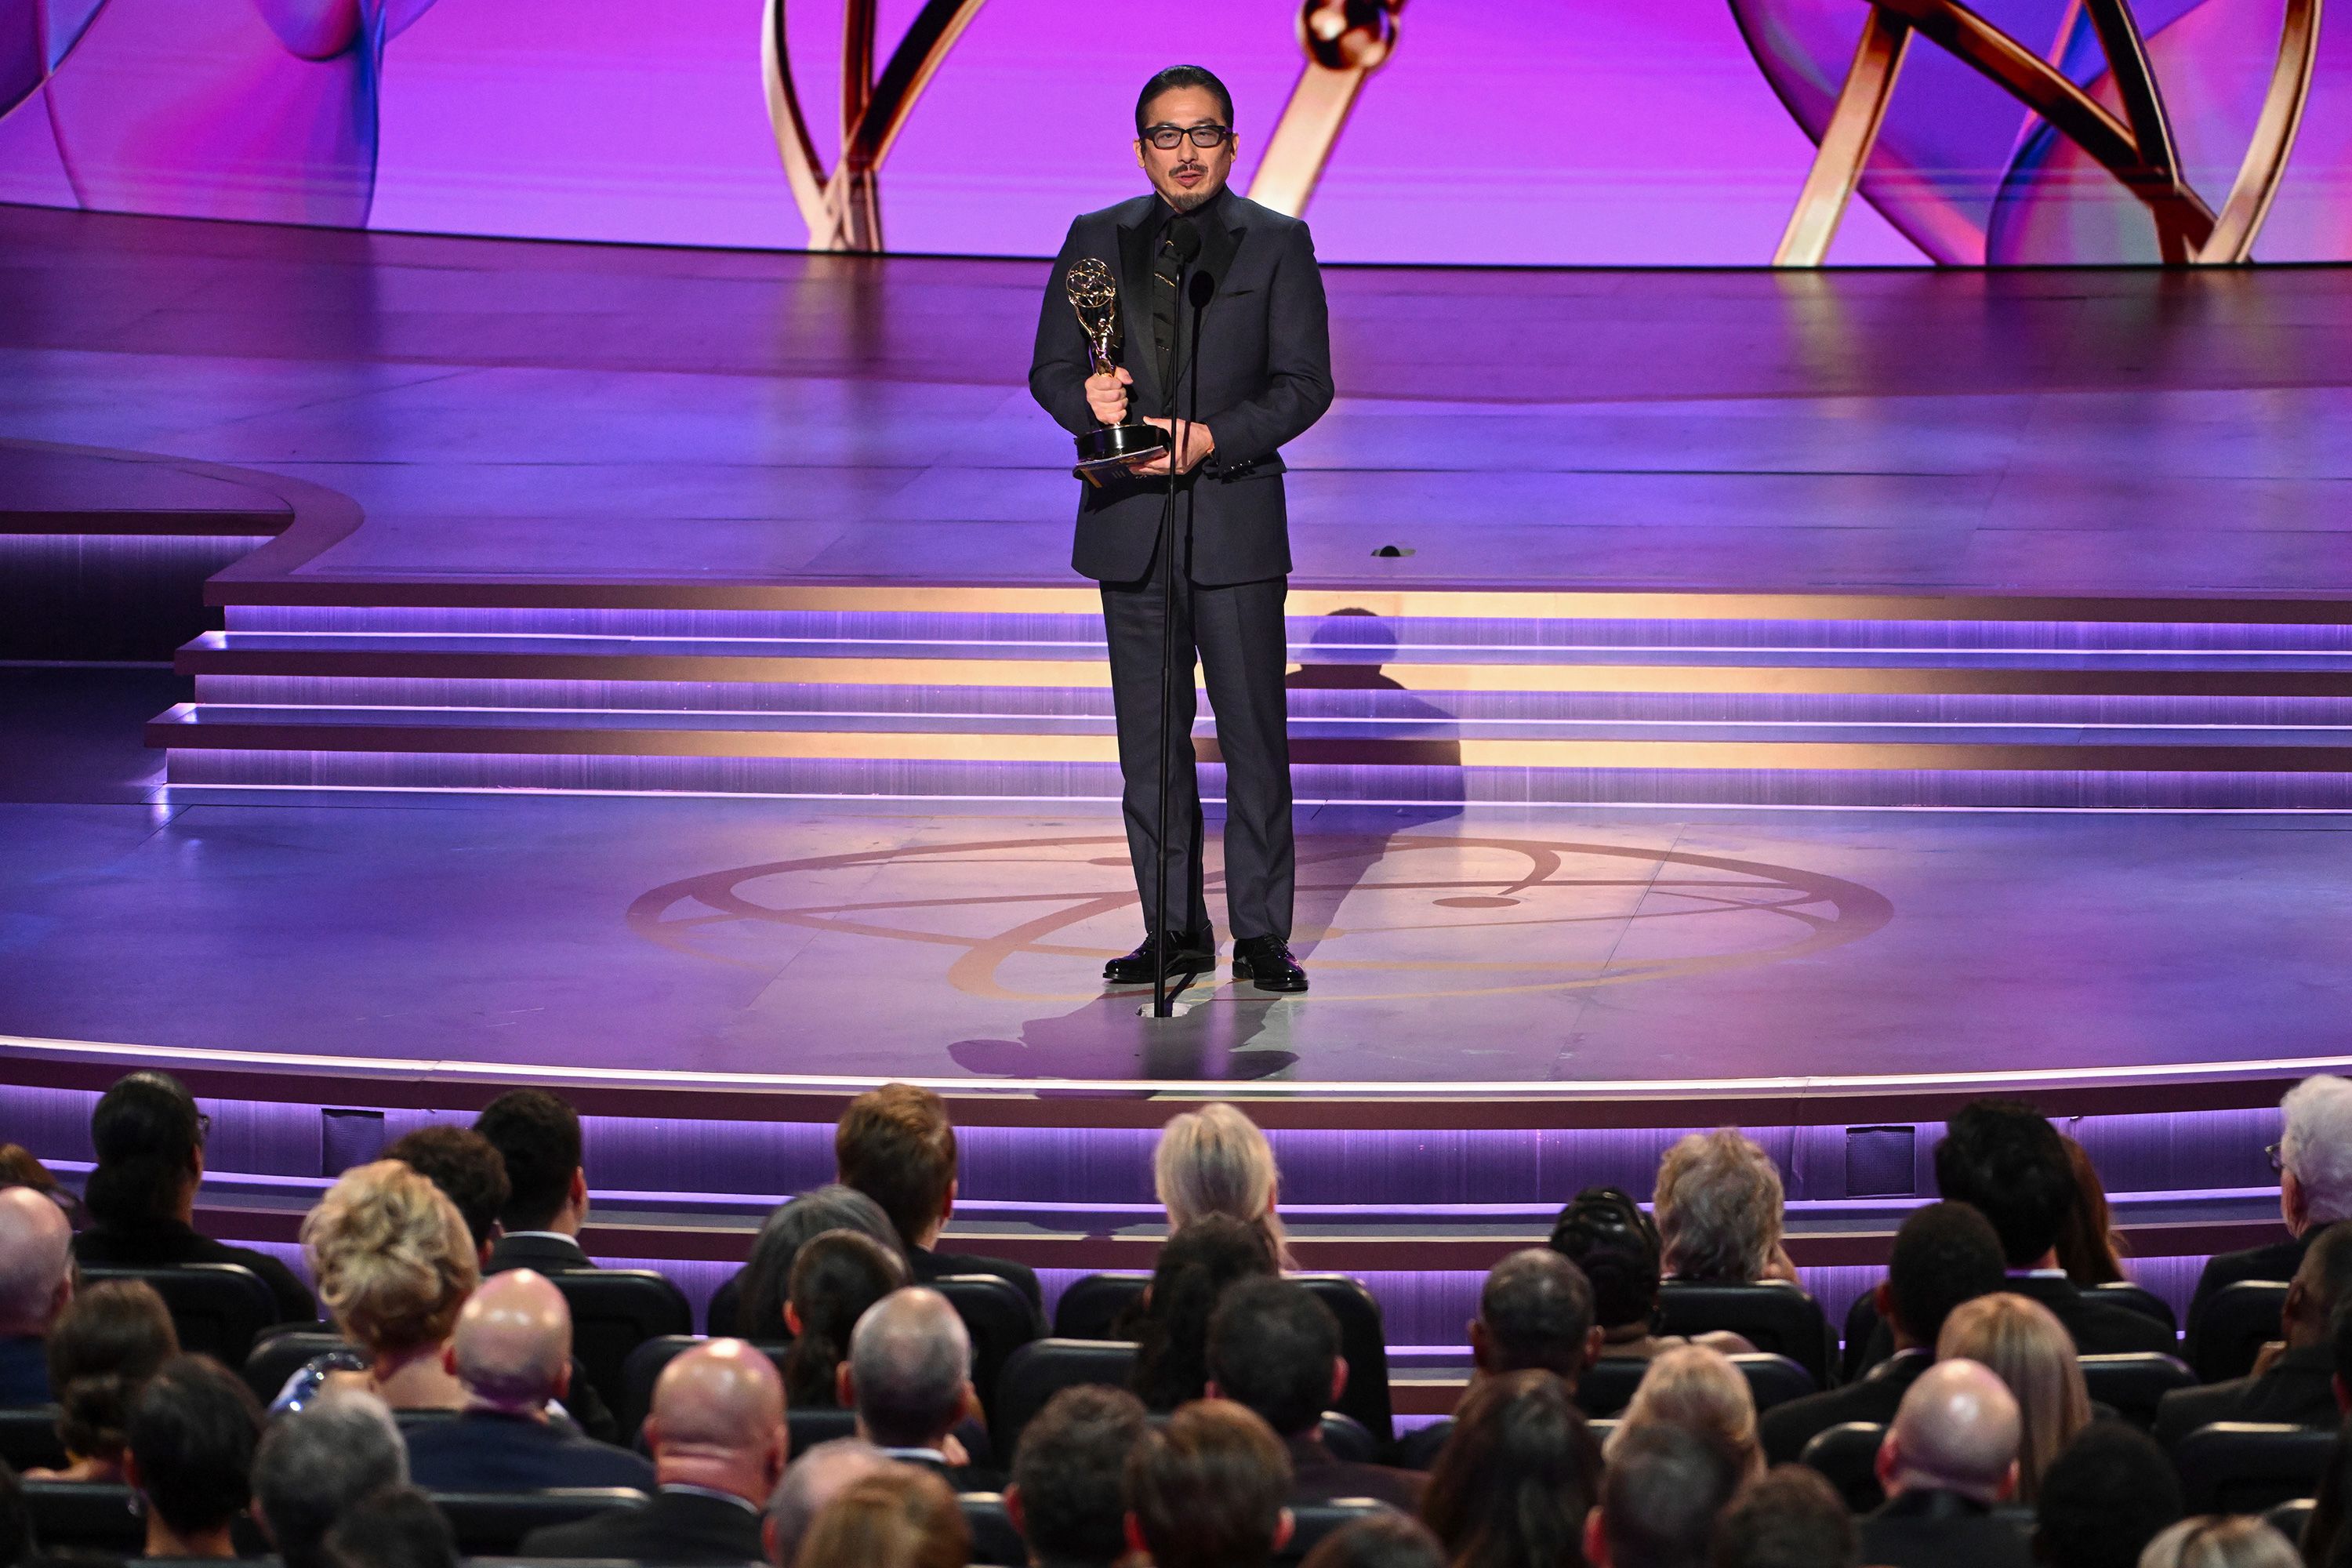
{"x": 1310, "y": 1522}
{"x": 1091, "y": 1306}
{"x": 999, "y": 1318}
{"x": 2289, "y": 1518}
{"x": 1363, "y": 1346}
{"x": 219, "y": 1309}
{"x": 2137, "y": 1299}
{"x": 1779, "y": 1320}
{"x": 28, "y": 1436}
{"x": 2238, "y": 1320}
{"x": 719, "y": 1317}
{"x": 1847, "y": 1455}
{"x": 1775, "y": 1379}
{"x": 1043, "y": 1368}
{"x": 1346, "y": 1437}
{"x": 810, "y": 1428}
{"x": 276, "y": 1357}
{"x": 994, "y": 1542}
{"x": 2133, "y": 1383}
{"x": 496, "y": 1523}
{"x": 91, "y": 1517}
{"x": 1608, "y": 1384}
{"x": 614, "y": 1310}
{"x": 2246, "y": 1467}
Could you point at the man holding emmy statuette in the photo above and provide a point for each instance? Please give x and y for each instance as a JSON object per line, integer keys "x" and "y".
{"x": 1181, "y": 519}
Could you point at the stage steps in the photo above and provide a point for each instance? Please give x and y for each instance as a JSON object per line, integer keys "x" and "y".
{"x": 1427, "y": 699}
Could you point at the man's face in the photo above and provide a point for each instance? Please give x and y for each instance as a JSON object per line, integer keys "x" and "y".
{"x": 1185, "y": 174}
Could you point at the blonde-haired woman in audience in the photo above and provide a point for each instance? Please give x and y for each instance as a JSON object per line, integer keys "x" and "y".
{"x": 395, "y": 1264}
{"x": 2026, "y": 1343}
{"x": 1719, "y": 1205}
{"x": 1215, "y": 1160}
{"x": 898, "y": 1518}
{"x": 1699, "y": 1390}
{"x": 2221, "y": 1541}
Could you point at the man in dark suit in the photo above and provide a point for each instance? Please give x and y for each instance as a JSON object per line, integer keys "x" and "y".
{"x": 909, "y": 1378}
{"x": 35, "y": 1283}
{"x": 2313, "y": 1161}
{"x": 1065, "y": 1495}
{"x": 1950, "y": 1456}
{"x": 537, "y": 1136}
{"x": 1944, "y": 1253}
{"x": 897, "y": 1146}
{"x": 2295, "y": 1382}
{"x": 512, "y": 1350}
{"x": 1274, "y": 1349}
{"x": 1260, "y": 376}
{"x": 717, "y": 1433}
{"x": 1535, "y": 1310}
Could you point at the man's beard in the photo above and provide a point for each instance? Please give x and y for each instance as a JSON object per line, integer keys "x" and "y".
{"x": 1184, "y": 201}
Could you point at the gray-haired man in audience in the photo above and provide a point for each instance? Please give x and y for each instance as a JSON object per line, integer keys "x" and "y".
{"x": 1535, "y": 1312}
{"x": 909, "y": 1378}
{"x": 315, "y": 1463}
{"x": 36, "y": 1282}
{"x": 812, "y": 1480}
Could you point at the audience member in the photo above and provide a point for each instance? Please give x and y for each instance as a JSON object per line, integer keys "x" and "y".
{"x": 835, "y": 1277}
{"x": 2089, "y": 1249}
{"x": 35, "y": 1283}
{"x": 315, "y": 1464}
{"x": 764, "y": 1284}
{"x": 1699, "y": 1390}
{"x": 537, "y": 1136}
{"x": 511, "y": 1358}
{"x": 2328, "y": 1533}
{"x": 468, "y": 1169}
{"x": 1170, "y": 1322}
{"x": 2294, "y": 1379}
{"x": 896, "y": 1518}
{"x": 1944, "y": 1253}
{"x": 1950, "y": 1456}
{"x": 1535, "y": 1310}
{"x": 1718, "y": 1210}
{"x": 104, "y": 1346}
{"x": 2313, "y": 1160}
{"x": 1064, "y": 1496}
{"x": 1662, "y": 1487}
{"x": 1206, "y": 1489}
{"x": 188, "y": 1453}
{"x": 1513, "y": 1486}
{"x": 1788, "y": 1516}
{"x": 809, "y": 1482}
{"x": 909, "y": 1378}
{"x": 15, "y": 1523}
{"x": 149, "y": 1137}
{"x": 2028, "y": 1350}
{"x": 1378, "y": 1541}
{"x": 397, "y": 1527}
{"x": 2104, "y": 1499}
{"x": 18, "y": 1168}
{"x": 395, "y": 1262}
{"x": 1274, "y": 1349}
{"x": 717, "y": 1433}
{"x": 1215, "y": 1160}
{"x": 1604, "y": 1232}
{"x": 2220, "y": 1540}
{"x": 897, "y": 1146}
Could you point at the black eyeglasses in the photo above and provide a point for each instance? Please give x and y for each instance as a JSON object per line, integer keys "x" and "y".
{"x": 204, "y": 1127}
{"x": 2278, "y": 1163}
{"x": 1167, "y": 138}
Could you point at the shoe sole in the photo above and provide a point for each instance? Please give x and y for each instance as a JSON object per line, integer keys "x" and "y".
{"x": 1186, "y": 969}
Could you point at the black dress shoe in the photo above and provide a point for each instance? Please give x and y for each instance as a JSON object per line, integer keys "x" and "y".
{"x": 1265, "y": 962}
{"x": 1191, "y": 953}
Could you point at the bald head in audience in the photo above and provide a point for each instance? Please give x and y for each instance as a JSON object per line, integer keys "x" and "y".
{"x": 1956, "y": 1431}
{"x": 908, "y": 1375}
{"x": 512, "y": 1349}
{"x": 814, "y": 1479}
{"x": 36, "y": 1263}
{"x": 718, "y": 1422}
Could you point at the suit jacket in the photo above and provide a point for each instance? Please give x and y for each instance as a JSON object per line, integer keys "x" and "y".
{"x": 923, "y": 1266}
{"x": 1785, "y": 1429}
{"x": 1264, "y": 375}
{"x": 1923, "y": 1528}
{"x": 676, "y": 1527}
{"x": 168, "y": 1242}
{"x": 540, "y": 1252}
{"x": 2299, "y": 1390}
{"x": 2279, "y": 1261}
{"x": 483, "y": 1451}
{"x": 958, "y": 1478}
{"x": 2098, "y": 1328}
{"x": 24, "y": 1371}
{"x": 1318, "y": 1476}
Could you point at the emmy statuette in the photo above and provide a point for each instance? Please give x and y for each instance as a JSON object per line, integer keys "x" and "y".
{"x": 1093, "y": 295}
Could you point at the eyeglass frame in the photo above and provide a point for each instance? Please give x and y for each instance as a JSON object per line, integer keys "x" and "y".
{"x": 2277, "y": 1157}
{"x": 1150, "y": 133}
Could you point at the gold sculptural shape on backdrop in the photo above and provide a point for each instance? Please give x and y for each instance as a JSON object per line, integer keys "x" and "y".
{"x": 1093, "y": 295}
{"x": 2137, "y": 149}
{"x": 1345, "y": 41}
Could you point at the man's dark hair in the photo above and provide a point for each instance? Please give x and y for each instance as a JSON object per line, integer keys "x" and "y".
{"x": 1605, "y": 1233}
{"x": 466, "y": 1167}
{"x": 192, "y": 1431}
{"x": 1207, "y": 1488}
{"x": 1536, "y": 1307}
{"x": 1382, "y": 1540}
{"x": 1196, "y": 1266}
{"x": 15, "y": 1523}
{"x": 145, "y": 1132}
{"x": 1946, "y": 1254}
{"x": 398, "y": 1527}
{"x": 2106, "y": 1495}
{"x": 2004, "y": 1159}
{"x": 1659, "y": 1497}
{"x": 1514, "y": 1482}
{"x": 537, "y": 1136}
{"x": 1272, "y": 1346}
{"x": 1070, "y": 1467}
{"x": 1788, "y": 1516}
{"x": 1175, "y": 76}
{"x": 897, "y": 1146}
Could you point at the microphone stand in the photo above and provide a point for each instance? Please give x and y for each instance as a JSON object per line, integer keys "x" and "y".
{"x": 1162, "y": 1004}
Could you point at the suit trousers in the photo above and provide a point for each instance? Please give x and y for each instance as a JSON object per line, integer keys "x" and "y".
{"x": 1236, "y": 632}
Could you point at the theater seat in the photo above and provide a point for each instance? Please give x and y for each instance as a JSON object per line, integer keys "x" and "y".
{"x": 1607, "y": 1386}
{"x": 994, "y": 1542}
{"x": 999, "y": 1318}
{"x": 2236, "y": 1321}
{"x": 278, "y": 1356}
{"x": 84, "y": 1517}
{"x": 493, "y": 1523}
{"x": 1774, "y": 1379}
{"x": 719, "y": 1317}
{"x": 2133, "y": 1383}
{"x": 1777, "y": 1319}
{"x": 1092, "y": 1303}
{"x": 2246, "y": 1467}
{"x": 1043, "y": 1368}
{"x": 218, "y": 1308}
{"x": 2137, "y": 1299}
{"x": 1310, "y": 1522}
{"x": 1345, "y": 1436}
{"x": 2289, "y": 1518}
{"x": 614, "y": 1310}
{"x": 1363, "y": 1346}
{"x": 1847, "y": 1455}
{"x": 810, "y": 1428}
{"x": 28, "y": 1436}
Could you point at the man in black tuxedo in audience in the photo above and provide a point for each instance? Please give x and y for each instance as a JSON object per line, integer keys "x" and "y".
{"x": 35, "y": 1283}
{"x": 1535, "y": 1311}
{"x": 897, "y": 1146}
{"x": 717, "y": 1433}
{"x": 909, "y": 1378}
{"x": 2313, "y": 1161}
{"x": 1946, "y": 1254}
{"x": 1950, "y": 1458}
{"x": 1065, "y": 1495}
{"x": 537, "y": 1136}
{"x": 2294, "y": 1379}
{"x": 1274, "y": 1349}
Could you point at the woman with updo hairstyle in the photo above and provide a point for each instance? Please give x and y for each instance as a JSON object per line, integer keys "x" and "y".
{"x": 1604, "y": 1232}
{"x": 1719, "y": 1211}
{"x": 836, "y": 1277}
{"x": 1171, "y": 1323}
{"x": 1514, "y": 1481}
{"x": 2031, "y": 1351}
{"x": 1699, "y": 1390}
{"x": 395, "y": 1264}
{"x": 1215, "y": 1160}
{"x": 764, "y": 1284}
{"x": 103, "y": 1350}
{"x": 899, "y": 1517}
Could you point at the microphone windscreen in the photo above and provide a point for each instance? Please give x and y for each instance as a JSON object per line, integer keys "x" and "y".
{"x": 1202, "y": 289}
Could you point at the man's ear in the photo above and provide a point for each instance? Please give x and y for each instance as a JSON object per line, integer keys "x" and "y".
{"x": 2297, "y": 1299}
{"x": 1014, "y": 1511}
{"x": 1210, "y": 1390}
{"x": 1594, "y": 1338}
{"x": 563, "y": 1379}
{"x": 130, "y": 1477}
{"x": 2295, "y": 1204}
{"x": 652, "y": 1434}
{"x": 1338, "y": 1379}
{"x": 450, "y": 1357}
{"x": 1889, "y": 1463}
{"x": 1136, "y": 1545}
{"x": 1882, "y": 1301}
{"x": 946, "y": 1204}
{"x": 579, "y": 1192}
{"x": 2008, "y": 1484}
{"x": 844, "y": 1387}
{"x": 973, "y": 1409}
{"x": 2343, "y": 1396}
{"x": 1596, "y": 1539}
{"x": 62, "y": 1297}
{"x": 262, "y": 1520}
{"x": 768, "y": 1538}
{"x": 1480, "y": 1346}
{"x": 1285, "y": 1526}
{"x": 792, "y": 1319}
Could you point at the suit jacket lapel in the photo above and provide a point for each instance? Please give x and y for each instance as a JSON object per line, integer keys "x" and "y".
{"x": 1221, "y": 243}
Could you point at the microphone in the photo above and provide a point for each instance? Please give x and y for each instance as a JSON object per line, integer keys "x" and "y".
{"x": 1201, "y": 290}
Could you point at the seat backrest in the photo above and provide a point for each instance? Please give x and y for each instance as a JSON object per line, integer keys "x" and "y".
{"x": 810, "y": 1428}
{"x": 2289, "y": 1518}
{"x": 86, "y": 1515}
{"x": 1091, "y": 1304}
{"x": 29, "y": 1437}
{"x": 2139, "y": 1298}
{"x": 276, "y": 1357}
{"x": 2236, "y": 1322}
{"x": 1363, "y": 1346}
{"x": 1043, "y": 1368}
{"x": 994, "y": 1542}
{"x": 1774, "y": 1379}
{"x": 218, "y": 1308}
{"x": 614, "y": 1310}
{"x": 2133, "y": 1383}
{"x": 495, "y": 1523}
{"x": 1310, "y": 1522}
{"x": 1777, "y": 1319}
{"x": 1345, "y": 1436}
{"x": 1607, "y": 1386}
{"x": 998, "y": 1317}
{"x": 719, "y": 1317}
{"x": 2246, "y": 1467}
{"x": 1847, "y": 1456}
